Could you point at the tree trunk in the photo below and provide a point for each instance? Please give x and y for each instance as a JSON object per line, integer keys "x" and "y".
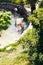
{"x": 32, "y": 8}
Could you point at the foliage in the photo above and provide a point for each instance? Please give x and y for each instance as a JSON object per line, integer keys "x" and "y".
{"x": 37, "y": 19}
{"x": 32, "y": 4}
{"x": 32, "y": 1}
{"x": 16, "y": 1}
{"x": 4, "y": 20}
{"x": 25, "y": 2}
{"x": 41, "y": 4}
{"x": 37, "y": 16}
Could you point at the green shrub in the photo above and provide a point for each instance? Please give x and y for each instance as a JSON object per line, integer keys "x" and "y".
{"x": 16, "y": 1}
{"x": 41, "y": 3}
{"x": 37, "y": 20}
{"x": 4, "y": 20}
